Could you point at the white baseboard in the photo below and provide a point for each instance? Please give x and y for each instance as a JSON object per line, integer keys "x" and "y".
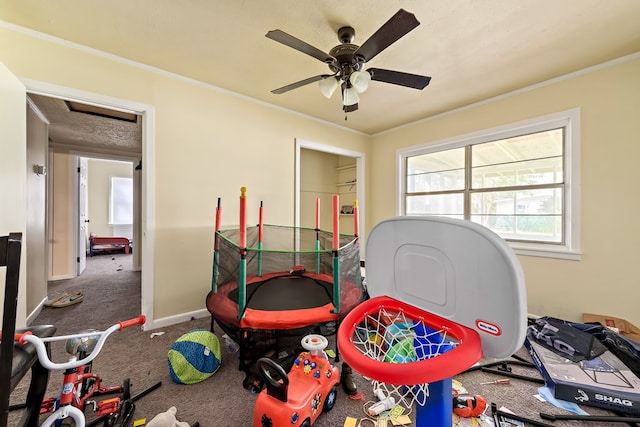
{"x": 173, "y": 320}
{"x": 62, "y": 277}
{"x": 32, "y": 316}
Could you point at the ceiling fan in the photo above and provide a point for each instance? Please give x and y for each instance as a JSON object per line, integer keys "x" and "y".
{"x": 347, "y": 61}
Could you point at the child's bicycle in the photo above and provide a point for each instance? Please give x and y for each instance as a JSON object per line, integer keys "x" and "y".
{"x": 79, "y": 384}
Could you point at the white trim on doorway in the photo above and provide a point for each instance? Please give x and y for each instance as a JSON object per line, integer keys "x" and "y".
{"x": 147, "y": 213}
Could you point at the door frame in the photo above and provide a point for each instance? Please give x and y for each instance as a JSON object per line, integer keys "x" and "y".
{"x": 81, "y": 222}
{"x": 147, "y": 222}
{"x": 360, "y": 174}
{"x": 77, "y": 156}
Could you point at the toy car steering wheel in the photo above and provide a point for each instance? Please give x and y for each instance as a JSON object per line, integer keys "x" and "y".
{"x": 314, "y": 343}
{"x": 276, "y": 387}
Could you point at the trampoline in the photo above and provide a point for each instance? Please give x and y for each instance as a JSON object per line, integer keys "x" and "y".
{"x": 270, "y": 281}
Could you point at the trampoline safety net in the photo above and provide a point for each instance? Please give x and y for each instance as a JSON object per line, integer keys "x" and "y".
{"x": 284, "y": 248}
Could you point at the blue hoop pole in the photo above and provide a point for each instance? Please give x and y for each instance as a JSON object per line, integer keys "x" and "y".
{"x": 438, "y": 409}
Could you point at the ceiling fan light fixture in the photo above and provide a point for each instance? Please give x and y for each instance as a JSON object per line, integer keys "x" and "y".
{"x": 350, "y": 96}
{"x": 347, "y": 61}
{"x": 327, "y": 86}
{"x": 360, "y": 80}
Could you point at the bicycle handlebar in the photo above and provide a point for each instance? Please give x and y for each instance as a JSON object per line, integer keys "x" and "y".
{"x": 132, "y": 322}
{"x": 46, "y": 362}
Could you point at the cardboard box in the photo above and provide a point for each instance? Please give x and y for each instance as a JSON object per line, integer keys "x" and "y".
{"x": 621, "y": 326}
{"x": 603, "y": 382}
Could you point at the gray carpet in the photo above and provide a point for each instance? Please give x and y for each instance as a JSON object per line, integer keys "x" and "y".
{"x": 112, "y": 293}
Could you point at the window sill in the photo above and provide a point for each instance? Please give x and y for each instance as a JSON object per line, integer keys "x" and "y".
{"x": 545, "y": 251}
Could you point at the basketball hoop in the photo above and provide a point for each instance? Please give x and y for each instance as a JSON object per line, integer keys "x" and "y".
{"x": 409, "y": 353}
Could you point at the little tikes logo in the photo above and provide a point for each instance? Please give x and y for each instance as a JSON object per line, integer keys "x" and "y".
{"x": 488, "y": 327}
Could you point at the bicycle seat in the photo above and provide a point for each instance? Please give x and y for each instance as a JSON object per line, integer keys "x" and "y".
{"x": 82, "y": 345}
{"x": 24, "y": 356}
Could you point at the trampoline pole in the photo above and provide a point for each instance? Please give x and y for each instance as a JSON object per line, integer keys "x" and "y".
{"x": 260, "y": 229}
{"x": 318, "y": 235}
{"x": 356, "y": 221}
{"x": 216, "y": 250}
{"x": 356, "y": 233}
{"x": 336, "y": 260}
{"x": 242, "y": 280}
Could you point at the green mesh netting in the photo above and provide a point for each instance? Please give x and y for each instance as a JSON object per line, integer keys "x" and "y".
{"x": 282, "y": 249}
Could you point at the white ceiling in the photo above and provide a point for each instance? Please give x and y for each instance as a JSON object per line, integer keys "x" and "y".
{"x": 472, "y": 49}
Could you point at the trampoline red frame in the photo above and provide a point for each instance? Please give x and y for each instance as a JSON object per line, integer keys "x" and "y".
{"x": 225, "y": 309}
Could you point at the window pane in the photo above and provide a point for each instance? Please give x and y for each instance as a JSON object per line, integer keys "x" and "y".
{"x": 121, "y": 201}
{"x": 451, "y": 205}
{"x": 534, "y": 215}
{"x": 526, "y": 160}
{"x": 442, "y": 171}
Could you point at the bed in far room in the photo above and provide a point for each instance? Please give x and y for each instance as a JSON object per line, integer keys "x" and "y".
{"x": 98, "y": 244}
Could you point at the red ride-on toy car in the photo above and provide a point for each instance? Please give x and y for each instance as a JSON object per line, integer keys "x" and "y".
{"x": 299, "y": 398}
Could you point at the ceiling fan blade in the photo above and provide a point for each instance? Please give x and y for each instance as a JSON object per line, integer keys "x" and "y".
{"x": 392, "y": 30}
{"x": 297, "y": 44}
{"x": 399, "y": 78}
{"x": 301, "y": 83}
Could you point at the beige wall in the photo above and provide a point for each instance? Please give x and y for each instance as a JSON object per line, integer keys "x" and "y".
{"x": 605, "y": 280}
{"x": 13, "y": 158}
{"x": 99, "y": 173}
{"x": 207, "y": 145}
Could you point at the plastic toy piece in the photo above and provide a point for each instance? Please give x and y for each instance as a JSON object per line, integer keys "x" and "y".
{"x": 384, "y": 404}
{"x": 297, "y": 398}
{"x": 350, "y": 422}
{"x": 500, "y": 381}
{"x": 469, "y": 406}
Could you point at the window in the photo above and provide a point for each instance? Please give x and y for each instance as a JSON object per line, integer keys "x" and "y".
{"x": 121, "y": 201}
{"x": 520, "y": 180}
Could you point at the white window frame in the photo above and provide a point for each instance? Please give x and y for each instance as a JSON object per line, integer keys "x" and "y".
{"x": 116, "y": 183}
{"x": 570, "y": 121}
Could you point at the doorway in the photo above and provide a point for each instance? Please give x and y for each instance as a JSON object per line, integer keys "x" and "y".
{"x": 106, "y": 209}
{"x": 337, "y": 171}
{"x": 143, "y": 258}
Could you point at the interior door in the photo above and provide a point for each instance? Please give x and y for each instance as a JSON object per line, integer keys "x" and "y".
{"x": 82, "y": 214}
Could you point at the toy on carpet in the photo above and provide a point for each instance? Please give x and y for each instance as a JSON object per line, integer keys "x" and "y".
{"x": 194, "y": 357}
{"x": 301, "y": 396}
{"x": 167, "y": 419}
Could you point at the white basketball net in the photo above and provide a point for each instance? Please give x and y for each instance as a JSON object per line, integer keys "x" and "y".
{"x": 391, "y": 337}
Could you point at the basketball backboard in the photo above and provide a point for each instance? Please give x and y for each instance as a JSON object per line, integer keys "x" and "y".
{"x": 455, "y": 269}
